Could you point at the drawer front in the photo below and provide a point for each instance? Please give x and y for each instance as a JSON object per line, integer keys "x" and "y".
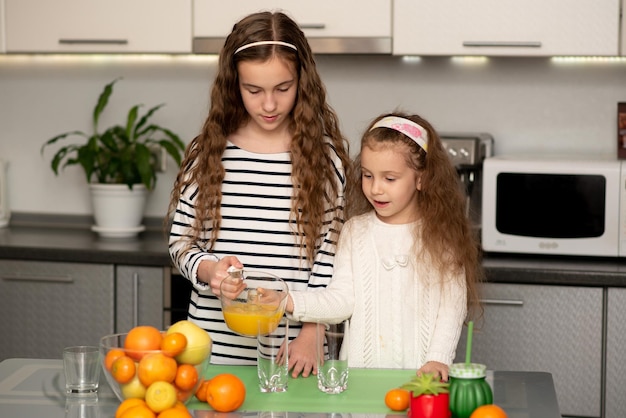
{"x": 555, "y": 329}
{"x": 47, "y": 306}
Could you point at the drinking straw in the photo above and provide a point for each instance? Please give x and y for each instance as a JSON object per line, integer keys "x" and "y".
{"x": 468, "y": 348}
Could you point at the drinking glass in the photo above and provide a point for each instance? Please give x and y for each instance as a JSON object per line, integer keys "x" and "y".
{"x": 332, "y": 357}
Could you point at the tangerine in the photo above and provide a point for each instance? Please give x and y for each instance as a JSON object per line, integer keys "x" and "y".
{"x": 186, "y": 377}
{"x": 126, "y": 404}
{"x": 156, "y": 367}
{"x": 488, "y": 411}
{"x": 398, "y": 399}
{"x": 123, "y": 369}
{"x": 138, "y": 411}
{"x": 173, "y": 344}
{"x": 201, "y": 392}
{"x": 225, "y": 392}
{"x": 111, "y": 356}
{"x": 141, "y": 339}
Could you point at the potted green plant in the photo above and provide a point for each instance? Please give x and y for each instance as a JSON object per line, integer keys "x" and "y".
{"x": 121, "y": 160}
{"x": 429, "y": 397}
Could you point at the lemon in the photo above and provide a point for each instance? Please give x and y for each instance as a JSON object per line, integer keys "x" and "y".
{"x": 161, "y": 396}
{"x": 133, "y": 389}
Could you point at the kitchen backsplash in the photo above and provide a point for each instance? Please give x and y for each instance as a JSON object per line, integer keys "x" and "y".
{"x": 527, "y": 104}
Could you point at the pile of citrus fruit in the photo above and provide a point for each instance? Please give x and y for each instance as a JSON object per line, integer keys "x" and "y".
{"x": 158, "y": 371}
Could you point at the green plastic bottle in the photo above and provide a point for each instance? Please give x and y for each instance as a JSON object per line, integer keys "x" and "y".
{"x": 468, "y": 389}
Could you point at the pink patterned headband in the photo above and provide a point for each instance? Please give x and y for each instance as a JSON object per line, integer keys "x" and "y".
{"x": 406, "y": 127}
{"x": 253, "y": 44}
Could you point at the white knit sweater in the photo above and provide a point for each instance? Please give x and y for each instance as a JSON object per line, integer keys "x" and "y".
{"x": 402, "y": 314}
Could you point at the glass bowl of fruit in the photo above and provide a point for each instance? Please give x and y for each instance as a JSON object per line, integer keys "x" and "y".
{"x": 160, "y": 367}
{"x": 253, "y": 302}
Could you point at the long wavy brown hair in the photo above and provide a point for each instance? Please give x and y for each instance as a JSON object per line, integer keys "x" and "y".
{"x": 447, "y": 235}
{"x": 313, "y": 124}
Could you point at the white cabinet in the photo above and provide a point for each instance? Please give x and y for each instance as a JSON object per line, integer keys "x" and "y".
{"x": 46, "y": 306}
{"x": 506, "y": 27}
{"x": 555, "y": 329}
{"x": 98, "y": 26}
{"x": 139, "y": 296}
{"x": 615, "y": 354}
{"x": 330, "y": 26}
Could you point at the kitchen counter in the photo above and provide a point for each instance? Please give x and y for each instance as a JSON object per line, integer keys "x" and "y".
{"x": 77, "y": 243}
{"x": 35, "y": 388}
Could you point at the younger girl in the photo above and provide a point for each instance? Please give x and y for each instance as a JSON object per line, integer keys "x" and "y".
{"x": 407, "y": 263}
{"x": 263, "y": 183}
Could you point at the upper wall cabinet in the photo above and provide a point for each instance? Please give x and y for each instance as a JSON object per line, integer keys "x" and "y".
{"x": 98, "y": 26}
{"x": 506, "y": 27}
{"x": 347, "y": 26}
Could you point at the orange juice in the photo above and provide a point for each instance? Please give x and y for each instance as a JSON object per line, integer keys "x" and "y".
{"x": 252, "y": 320}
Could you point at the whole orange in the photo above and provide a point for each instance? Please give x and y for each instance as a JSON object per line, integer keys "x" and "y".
{"x": 138, "y": 411}
{"x": 175, "y": 413}
{"x": 156, "y": 367}
{"x": 123, "y": 369}
{"x": 141, "y": 339}
{"x": 128, "y": 403}
{"x": 225, "y": 392}
{"x": 488, "y": 411}
{"x": 398, "y": 399}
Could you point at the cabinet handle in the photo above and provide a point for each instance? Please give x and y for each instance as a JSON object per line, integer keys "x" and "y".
{"x": 47, "y": 279}
{"x": 93, "y": 41}
{"x": 312, "y": 26}
{"x": 502, "y": 302}
{"x": 135, "y": 299}
{"x": 497, "y": 44}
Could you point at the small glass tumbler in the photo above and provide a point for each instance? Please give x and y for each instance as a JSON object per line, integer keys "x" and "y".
{"x": 82, "y": 370}
{"x": 332, "y": 357}
{"x": 468, "y": 388}
{"x": 272, "y": 359}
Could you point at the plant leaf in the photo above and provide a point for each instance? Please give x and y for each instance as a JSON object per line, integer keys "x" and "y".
{"x": 102, "y": 102}
{"x": 130, "y": 123}
{"x": 147, "y": 116}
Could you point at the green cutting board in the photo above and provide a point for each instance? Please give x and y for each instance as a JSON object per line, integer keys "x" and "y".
{"x": 365, "y": 394}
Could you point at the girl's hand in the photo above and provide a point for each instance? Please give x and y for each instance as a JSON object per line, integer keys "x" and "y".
{"x": 303, "y": 351}
{"x": 213, "y": 273}
{"x": 438, "y": 370}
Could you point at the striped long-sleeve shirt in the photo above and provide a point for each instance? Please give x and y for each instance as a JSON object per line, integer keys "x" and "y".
{"x": 255, "y": 209}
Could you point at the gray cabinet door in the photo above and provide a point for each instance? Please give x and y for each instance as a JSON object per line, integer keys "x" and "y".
{"x": 555, "y": 329}
{"x": 46, "y": 306}
{"x": 139, "y": 298}
{"x": 616, "y": 354}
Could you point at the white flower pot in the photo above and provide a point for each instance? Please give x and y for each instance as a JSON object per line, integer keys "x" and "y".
{"x": 117, "y": 210}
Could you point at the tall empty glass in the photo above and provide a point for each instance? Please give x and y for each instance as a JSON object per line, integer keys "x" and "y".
{"x": 332, "y": 358}
{"x": 272, "y": 359}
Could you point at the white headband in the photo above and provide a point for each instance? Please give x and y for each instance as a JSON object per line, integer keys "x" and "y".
{"x": 406, "y": 127}
{"x": 253, "y": 44}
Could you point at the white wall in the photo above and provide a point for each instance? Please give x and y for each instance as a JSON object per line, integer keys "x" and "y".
{"x": 527, "y": 104}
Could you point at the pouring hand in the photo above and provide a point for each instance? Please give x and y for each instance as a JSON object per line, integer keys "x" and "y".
{"x": 212, "y": 272}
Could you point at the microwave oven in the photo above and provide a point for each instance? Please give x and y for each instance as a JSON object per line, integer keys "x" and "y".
{"x": 554, "y": 205}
